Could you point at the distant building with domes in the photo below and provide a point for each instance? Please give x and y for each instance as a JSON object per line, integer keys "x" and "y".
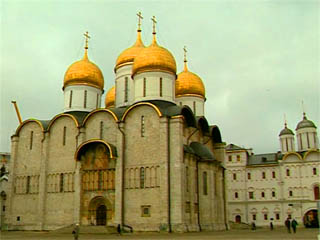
{"x": 271, "y": 187}
{"x": 148, "y": 160}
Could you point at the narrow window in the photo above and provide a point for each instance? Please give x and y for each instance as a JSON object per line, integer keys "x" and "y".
{"x": 236, "y": 195}
{"x": 70, "y": 99}
{"x": 250, "y": 195}
{"x": 290, "y": 193}
{"x": 287, "y": 145}
{"x": 265, "y": 216}
{"x": 144, "y": 86}
{"x": 194, "y": 107}
{"x": 3, "y": 208}
{"x": 187, "y": 179}
{"x": 288, "y": 172}
{"x": 142, "y": 177}
{"x": 28, "y": 185}
{"x": 18, "y": 218}
{"x": 230, "y": 158}
{"x": 97, "y": 101}
{"x": 300, "y": 138}
{"x": 31, "y": 139}
{"x": 142, "y": 126}
{"x": 314, "y": 170}
{"x": 316, "y": 192}
{"x": 273, "y": 194}
{"x": 61, "y": 182}
{"x": 234, "y": 176}
{"x": 277, "y": 216}
{"x": 85, "y": 99}
{"x": 160, "y": 87}
{"x": 145, "y": 211}
{"x": 262, "y": 194}
{"x": 308, "y": 140}
{"x": 249, "y": 175}
{"x": 205, "y": 184}
{"x": 263, "y": 175}
{"x": 238, "y": 158}
{"x": 126, "y": 89}
{"x": 315, "y": 140}
{"x": 101, "y": 129}
{"x": 273, "y": 174}
{"x": 196, "y": 181}
{"x": 254, "y": 217}
{"x": 64, "y": 136}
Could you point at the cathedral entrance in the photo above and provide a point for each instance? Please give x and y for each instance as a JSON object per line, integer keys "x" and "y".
{"x": 310, "y": 219}
{"x": 101, "y": 215}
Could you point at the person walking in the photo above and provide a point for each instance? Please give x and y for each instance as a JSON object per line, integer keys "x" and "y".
{"x": 294, "y": 225}
{"x": 119, "y": 229}
{"x": 75, "y": 231}
{"x": 288, "y": 224}
{"x": 271, "y": 224}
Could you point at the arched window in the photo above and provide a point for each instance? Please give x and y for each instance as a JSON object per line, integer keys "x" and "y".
{"x": 85, "y": 99}
{"x": 142, "y": 179}
{"x": 238, "y": 219}
{"x": 160, "y": 87}
{"x": 64, "y": 135}
{"x": 205, "y": 184}
{"x": 61, "y": 182}
{"x": 70, "y": 99}
{"x": 316, "y": 193}
{"x": 288, "y": 172}
{"x": 31, "y": 139}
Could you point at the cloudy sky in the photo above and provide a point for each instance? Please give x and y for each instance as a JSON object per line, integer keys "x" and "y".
{"x": 258, "y": 59}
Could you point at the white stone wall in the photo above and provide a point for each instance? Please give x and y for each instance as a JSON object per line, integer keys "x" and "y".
{"x": 195, "y": 103}
{"x": 93, "y": 100}
{"x": 153, "y": 86}
{"x": 121, "y": 74}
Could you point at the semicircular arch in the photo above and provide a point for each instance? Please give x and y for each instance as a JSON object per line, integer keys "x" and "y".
{"x": 26, "y": 122}
{"x": 141, "y": 104}
{"x": 100, "y": 110}
{"x": 63, "y": 115}
{"x": 82, "y": 145}
{"x": 291, "y": 153}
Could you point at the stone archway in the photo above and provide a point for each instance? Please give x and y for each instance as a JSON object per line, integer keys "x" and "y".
{"x": 100, "y": 212}
{"x": 238, "y": 219}
{"x": 310, "y": 219}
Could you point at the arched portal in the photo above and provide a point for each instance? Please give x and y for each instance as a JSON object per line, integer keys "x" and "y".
{"x": 310, "y": 219}
{"x": 238, "y": 219}
{"x": 101, "y": 215}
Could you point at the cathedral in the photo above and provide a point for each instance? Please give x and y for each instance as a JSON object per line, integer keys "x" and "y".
{"x": 149, "y": 160}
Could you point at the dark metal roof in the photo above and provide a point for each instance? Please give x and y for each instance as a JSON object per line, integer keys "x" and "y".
{"x": 286, "y": 131}
{"x": 263, "y": 159}
{"x": 305, "y": 123}
{"x": 233, "y": 147}
{"x": 202, "y": 151}
{"x": 80, "y": 116}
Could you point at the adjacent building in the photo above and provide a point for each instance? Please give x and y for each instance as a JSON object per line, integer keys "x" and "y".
{"x": 4, "y": 162}
{"x": 274, "y": 186}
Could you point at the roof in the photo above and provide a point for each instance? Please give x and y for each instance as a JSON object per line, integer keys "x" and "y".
{"x": 286, "y": 131}
{"x": 202, "y": 151}
{"x": 233, "y": 147}
{"x": 263, "y": 159}
{"x": 305, "y": 123}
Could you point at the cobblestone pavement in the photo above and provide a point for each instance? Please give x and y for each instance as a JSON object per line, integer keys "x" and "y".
{"x": 280, "y": 233}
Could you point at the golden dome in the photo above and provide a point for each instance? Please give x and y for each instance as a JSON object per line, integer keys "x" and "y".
{"x": 84, "y": 72}
{"x": 154, "y": 58}
{"x": 128, "y": 55}
{"x": 110, "y": 97}
{"x": 189, "y": 84}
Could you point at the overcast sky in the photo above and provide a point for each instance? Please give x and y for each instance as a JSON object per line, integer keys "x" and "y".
{"x": 257, "y": 59}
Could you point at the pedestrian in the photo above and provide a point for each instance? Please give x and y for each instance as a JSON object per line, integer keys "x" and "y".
{"x": 119, "y": 229}
{"x": 288, "y": 224}
{"x": 294, "y": 225}
{"x": 75, "y": 231}
{"x": 271, "y": 224}
{"x": 253, "y": 226}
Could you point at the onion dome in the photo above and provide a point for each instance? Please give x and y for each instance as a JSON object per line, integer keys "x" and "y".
{"x": 110, "y": 97}
{"x": 154, "y": 58}
{"x": 286, "y": 131}
{"x": 188, "y": 83}
{"x": 84, "y": 72}
{"x": 128, "y": 55}
{"x": 305, "y": 123}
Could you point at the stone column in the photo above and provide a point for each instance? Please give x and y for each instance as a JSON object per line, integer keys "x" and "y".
{"x": 43, "y": 182}
{"x": 119, "y": 185}
{"x": 11, "y": 179}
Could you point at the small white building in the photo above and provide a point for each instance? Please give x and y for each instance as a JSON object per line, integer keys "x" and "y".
{"x": 270, "y": 187}
{"x": 4, "y": 160}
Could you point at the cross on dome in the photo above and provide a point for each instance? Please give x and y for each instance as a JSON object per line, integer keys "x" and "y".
{"x": 153, "y": 19}
{"x": 86, "y": 34}
{"x": 139, "y": 20}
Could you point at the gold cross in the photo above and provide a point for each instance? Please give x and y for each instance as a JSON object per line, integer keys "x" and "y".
{"x": 153, "y": 19}
{"x": 139, "y": 21}
{"x": 87, "y": 37}
{"x": 185, "y": 53}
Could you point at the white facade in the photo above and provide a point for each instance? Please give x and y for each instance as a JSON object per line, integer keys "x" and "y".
{"x": 194, "y": 102}
{"x": 307, "y": 139}
{"x": 81, "y": 98}
{"x": 154, "y": 86}
{"x": 270, "y": 187}
{"x": 4, "y": 161}
{"x": 124, "y": 86}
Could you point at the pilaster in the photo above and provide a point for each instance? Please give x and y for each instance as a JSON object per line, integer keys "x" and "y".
{"x": 119, "y": 188}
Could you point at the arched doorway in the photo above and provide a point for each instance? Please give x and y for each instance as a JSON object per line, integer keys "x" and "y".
{"x": 238, "y": 219}
{"x": 310, "y": 219}
{"x": 101, "y": 215}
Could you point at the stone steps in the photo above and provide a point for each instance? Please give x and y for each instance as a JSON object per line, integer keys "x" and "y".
{"x": 88, "y": 229}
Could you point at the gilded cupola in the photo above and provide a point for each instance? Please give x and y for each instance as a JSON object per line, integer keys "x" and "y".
{"x": 129, "y": 54}
{"x": 84, "y": 72}
{"x": 110, "y": 97}
{"x": 154, "y": 58}
{"x": 188, "y": 83}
